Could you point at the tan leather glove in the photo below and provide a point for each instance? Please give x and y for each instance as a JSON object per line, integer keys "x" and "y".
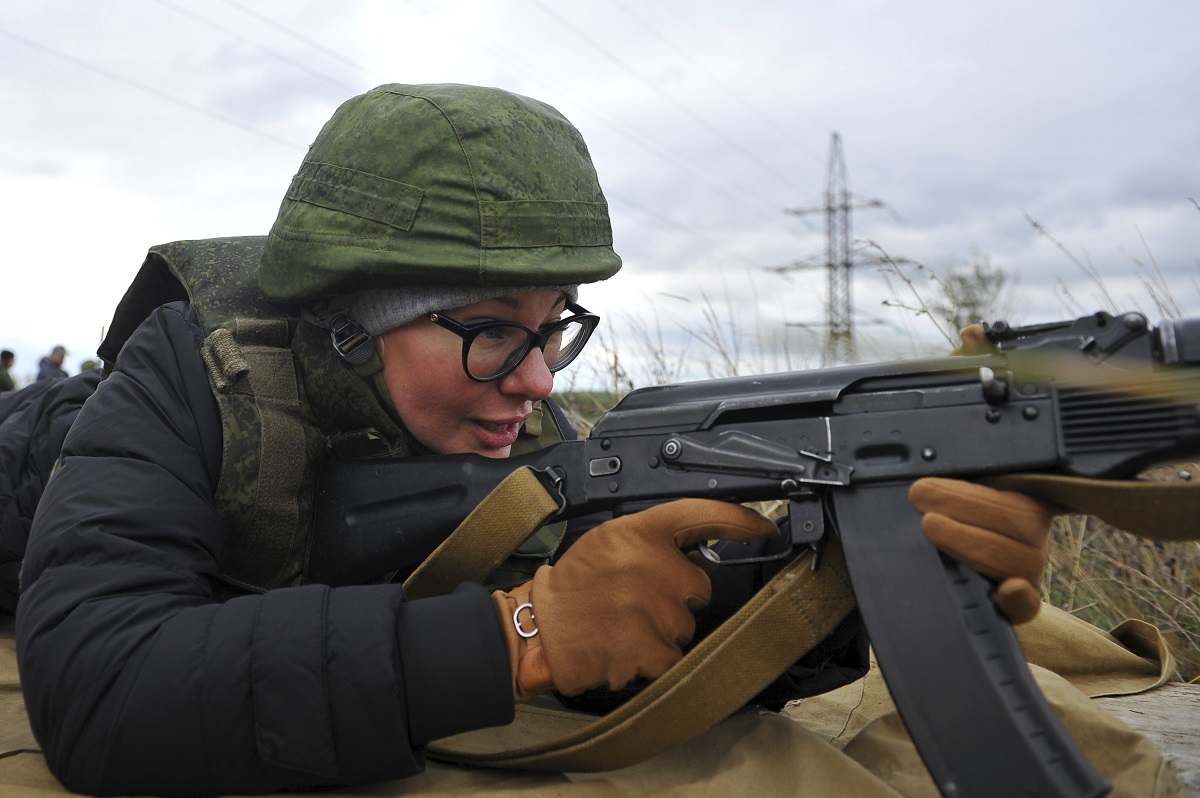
{"x": 619, "y": 603}
{"x": 1001, "y": 534}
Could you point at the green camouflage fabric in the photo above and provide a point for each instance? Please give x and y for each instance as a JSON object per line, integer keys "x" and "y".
{"x": 440, "y": 185}
{"x": 287, "y": 402}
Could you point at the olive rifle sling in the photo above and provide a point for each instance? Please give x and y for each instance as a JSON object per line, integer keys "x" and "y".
{"x": 793, "y": 612}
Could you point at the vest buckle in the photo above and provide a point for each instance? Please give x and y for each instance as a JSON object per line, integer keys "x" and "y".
{"x": 352, "y": 342}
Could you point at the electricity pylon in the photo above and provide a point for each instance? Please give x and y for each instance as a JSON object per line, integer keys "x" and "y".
{"x": 839, "y": 343}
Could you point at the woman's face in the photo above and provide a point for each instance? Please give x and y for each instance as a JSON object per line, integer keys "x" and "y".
{"x": 441, "y": 406}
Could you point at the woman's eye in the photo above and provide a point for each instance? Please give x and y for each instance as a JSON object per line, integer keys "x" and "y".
{"x": 506, "y": 337}
{"x": 494, "y": 334}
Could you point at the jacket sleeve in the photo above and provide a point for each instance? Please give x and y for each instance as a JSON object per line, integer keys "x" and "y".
{"x": 33, "y": 423}
{"x": 137, "y": 681}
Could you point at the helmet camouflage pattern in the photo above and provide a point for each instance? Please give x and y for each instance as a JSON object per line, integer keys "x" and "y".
{"x": 440, "y": 185}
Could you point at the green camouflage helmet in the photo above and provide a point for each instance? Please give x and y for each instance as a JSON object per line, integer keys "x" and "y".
{"x": 444, "y": 185}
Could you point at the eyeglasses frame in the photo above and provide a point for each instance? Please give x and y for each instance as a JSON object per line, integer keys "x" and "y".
{"x": 536, "y": 338}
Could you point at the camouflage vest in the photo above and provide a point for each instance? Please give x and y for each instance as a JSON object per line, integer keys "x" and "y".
{"x": 287, "y": 401}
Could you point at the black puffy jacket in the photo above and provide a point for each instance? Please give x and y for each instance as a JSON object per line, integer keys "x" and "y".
{"x": 33, "y": 423}
{"x": 137, "y": 681}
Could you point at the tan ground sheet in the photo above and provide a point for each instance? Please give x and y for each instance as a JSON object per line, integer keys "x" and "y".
{"x": 846, "y": 743}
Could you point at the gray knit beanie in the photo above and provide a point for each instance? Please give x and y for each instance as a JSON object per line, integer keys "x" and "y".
{"x": 381, "y": 309}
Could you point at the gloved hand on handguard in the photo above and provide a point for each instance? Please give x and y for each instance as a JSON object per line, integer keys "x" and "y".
{"x": 619, "y": 602}
{"x": 1001, "y": 534}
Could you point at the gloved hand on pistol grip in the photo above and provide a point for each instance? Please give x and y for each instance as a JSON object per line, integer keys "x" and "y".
{"x": 1001, "y": 534}
{"x": 618, "y": 604}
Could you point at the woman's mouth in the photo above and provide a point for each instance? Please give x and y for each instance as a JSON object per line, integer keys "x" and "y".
{"x": 497, "y": 435}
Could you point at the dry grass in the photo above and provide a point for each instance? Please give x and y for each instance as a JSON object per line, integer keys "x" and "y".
{"x": 1103, "y": 576}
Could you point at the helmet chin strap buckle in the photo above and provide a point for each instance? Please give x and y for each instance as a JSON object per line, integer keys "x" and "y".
{"x": 353, "y": 344}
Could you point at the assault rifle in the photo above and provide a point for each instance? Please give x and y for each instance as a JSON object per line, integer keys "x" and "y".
{"x": 1100, "y": 396}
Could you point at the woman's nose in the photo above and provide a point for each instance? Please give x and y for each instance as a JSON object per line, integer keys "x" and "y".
{"x": 532, "y": 379}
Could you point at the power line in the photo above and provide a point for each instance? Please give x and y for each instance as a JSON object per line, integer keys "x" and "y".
{"x": 162, "y": 95}
{"x": 263, "y": 18}
{"x": 262, "y": 48}
{"x": 663, "y": 221}
{"x": 739, "y": 97}
{"x": 771, "y": 169}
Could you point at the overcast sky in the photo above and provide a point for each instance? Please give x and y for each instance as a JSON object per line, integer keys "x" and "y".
{"x": 128, "y": 123}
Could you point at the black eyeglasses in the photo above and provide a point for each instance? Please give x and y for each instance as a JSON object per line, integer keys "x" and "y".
{"x": 492, "y": 349}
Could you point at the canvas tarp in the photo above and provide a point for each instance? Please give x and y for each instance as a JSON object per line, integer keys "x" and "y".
{"x": 846, "y": 743}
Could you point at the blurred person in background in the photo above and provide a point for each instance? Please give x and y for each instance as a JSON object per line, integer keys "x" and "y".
{"x": 50, "y": 366}
{"x": 7, "y": 358}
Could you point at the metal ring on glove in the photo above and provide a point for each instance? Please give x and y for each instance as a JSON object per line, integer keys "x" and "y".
{"x": 517, "y": 620}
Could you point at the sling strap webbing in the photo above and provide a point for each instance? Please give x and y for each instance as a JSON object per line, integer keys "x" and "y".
{"x": 515, "y": 508}
{"x": 254, "y": 375}
{"x": 1160, "y": 510}
{"x": 787, "y": 617}
{"x": 793, "y": 612}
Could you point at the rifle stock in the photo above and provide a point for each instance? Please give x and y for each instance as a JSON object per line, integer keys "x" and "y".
{"x": 1100, "y": 396}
